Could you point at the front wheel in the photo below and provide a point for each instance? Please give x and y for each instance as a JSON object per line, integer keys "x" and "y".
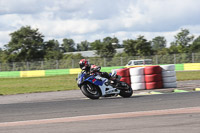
{"x": 91, "y": 91}
{"x": 127, "y": 91}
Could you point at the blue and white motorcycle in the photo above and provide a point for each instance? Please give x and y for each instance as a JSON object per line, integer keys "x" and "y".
{"x": 94, "y": 86}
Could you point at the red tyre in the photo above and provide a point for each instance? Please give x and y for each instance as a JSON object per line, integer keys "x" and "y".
{"x": 152, "y": 70}
{"x": 153, "y": 78}
{"x": 123, "y": 72}
{"x": 126, "y": 79}
{"x": 154, "y": 85}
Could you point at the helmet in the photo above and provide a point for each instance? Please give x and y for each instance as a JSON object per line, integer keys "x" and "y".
{"x": 95, "y": 68}
{"x": 83, "y": 64}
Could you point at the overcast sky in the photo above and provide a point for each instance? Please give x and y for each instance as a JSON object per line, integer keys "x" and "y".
{"x": 95, "y": 19}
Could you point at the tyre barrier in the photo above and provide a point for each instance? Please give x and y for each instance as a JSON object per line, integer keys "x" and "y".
{"x": 137, "y": 78}
{"x": 125, "y": 75}
{"x": 169, "y": 79}
{"x": 124, "y": 72}
{"x": 169, "y": 76}
{"x": 136, "y": 71}
{"x": 170, "y": 85}
{"x": 126, "y": 79}
{"x": 153, "y": 77}
{"x": 149, "y": 70}
{"x": 154, "y": 85}
{"x": 149, "y": 77}
{"x": 168, "y": 67}
{"x": 138, "y": 86}
{"x": 168, "y": 73}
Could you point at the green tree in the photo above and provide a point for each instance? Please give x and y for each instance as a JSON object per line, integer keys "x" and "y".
{"x": 84, "y": 45}
{"x": 104, "y": 49}
{"x": 52, "y": 50}
{"x": 158, "y": 43}
{"x": 129, "y": 47}
{"x": 182, "y": 41}
{"x": 97, "y": 44}
{"x": 139, "y": 47}
{"x": 184, "y": 38}
{"x": 68, "y": 45}
{"x": 26, "y": 44}
{"x": 195, "y": 47}
{"x": 143, "y": 47}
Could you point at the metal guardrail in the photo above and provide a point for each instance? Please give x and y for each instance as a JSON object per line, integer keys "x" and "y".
{"x": 104, "y": 62}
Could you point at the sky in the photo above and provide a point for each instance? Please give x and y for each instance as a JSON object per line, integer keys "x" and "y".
{"x": 90, "y": 20}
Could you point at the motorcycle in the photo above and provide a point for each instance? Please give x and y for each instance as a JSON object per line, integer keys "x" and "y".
{"x": 95, "y": 86}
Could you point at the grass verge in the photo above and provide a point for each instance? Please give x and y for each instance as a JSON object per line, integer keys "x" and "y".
{"x": 10, "y": 86}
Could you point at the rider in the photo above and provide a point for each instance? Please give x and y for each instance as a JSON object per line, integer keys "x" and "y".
{"x": 85, "y": 65}
{"x": 92, "y": 69}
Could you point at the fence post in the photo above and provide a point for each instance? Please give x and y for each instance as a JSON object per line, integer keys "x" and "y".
{"x": 157, "y": 59}
{"x": 42, "y": 65}
{"x": 57, "y": 64}
{"x": 27, "y": 65}
{"x": 174, "y": 58}
{"x": 0, "y": 66}
{"x": 121, "y": 61}
{"x": 104, "y": 60}
{"x": 13, "y": 66}
{"x": 192, "y": 57}
{"x": 72, "y": 63}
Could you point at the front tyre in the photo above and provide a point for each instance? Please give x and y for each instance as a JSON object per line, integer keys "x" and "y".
{"x": 127, "y": 91}
{"x": 91, "y": 91}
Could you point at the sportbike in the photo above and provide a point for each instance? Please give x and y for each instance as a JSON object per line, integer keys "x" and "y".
{"x": 95, "y": 86}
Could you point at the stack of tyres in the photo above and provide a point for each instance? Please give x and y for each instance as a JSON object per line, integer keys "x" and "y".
{"x": 153, "y": 77}
{"x": 169, "y": 76}
{"x": 137, "y": 78}
{"x": 124, "y": 73}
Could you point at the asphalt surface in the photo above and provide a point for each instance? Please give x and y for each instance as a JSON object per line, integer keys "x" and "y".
{"x": 42, "y": 106}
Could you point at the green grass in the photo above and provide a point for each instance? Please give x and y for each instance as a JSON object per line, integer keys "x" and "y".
{"x": 188, "y": 75}
{"x": 9, "y": 86}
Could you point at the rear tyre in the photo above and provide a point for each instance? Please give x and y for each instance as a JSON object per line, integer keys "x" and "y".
{"x": 91, "y": 91}
{"x": 127, "y": 91}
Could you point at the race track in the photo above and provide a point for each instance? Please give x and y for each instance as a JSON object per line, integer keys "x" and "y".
{"x": 121, "y": 115}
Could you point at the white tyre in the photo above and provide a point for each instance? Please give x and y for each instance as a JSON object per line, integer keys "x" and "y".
{"x": 168, "y": 67}
{"x": 136, "y": 71}
{"x": 170, "y": 85}
{"x": 137, "y": 79}
{"x": 168, "y": 73}
{"x": 169, "y": 79}
{"x": 138, "y": 86}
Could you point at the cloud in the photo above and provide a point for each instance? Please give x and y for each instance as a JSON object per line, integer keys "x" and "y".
{"x": 96, "y": 19}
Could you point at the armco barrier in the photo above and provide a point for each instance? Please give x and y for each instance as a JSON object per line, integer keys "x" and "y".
{"x": 192, "y": 66}
{"x": 74, "y": 71}
{"x": 10, "y": 74}
{"x": 179, "y": 67}
{"x": 109, "y": 69}
{"x": 56, "y": 72}
{"x": 35, "y": 73}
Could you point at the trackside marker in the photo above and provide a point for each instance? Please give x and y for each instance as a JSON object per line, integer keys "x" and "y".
{"x": 178, "y": 91}
{"x": 155, "y": 92}
{"x": 197, "y": 89}
{"x": 102, "y": 117}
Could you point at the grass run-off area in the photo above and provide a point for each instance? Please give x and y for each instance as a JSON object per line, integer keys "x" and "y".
{"x": 9, "y": 86}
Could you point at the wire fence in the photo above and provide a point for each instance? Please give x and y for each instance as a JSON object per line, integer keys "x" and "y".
{"x": 104, "y": 62}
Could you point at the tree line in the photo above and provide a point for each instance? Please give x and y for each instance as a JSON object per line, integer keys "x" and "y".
{"x": 27, "y": 44}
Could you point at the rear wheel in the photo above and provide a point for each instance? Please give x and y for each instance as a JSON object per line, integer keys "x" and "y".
{"x": 91, "y": 91}
{"x": 127, "y": 91}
